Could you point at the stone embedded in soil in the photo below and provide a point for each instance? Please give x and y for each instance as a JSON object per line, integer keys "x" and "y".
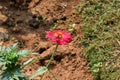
{"x": 34, "y": 23}
{"x": 55, "y": 20}
{"x": 19, "y": 21}
{"x": 63, "y": 18}
{"x": 38, "y": 17}
{"x": 3, "y": 18}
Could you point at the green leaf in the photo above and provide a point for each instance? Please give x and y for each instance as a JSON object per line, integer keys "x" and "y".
{"x": 15, "y": 46}
{"x": 34, "y": 53}
{"x": 39, "y": 72}
{"x": 24, "y": 53}
{"x": 12, "y": 49}
{"x": 27, "y": 62}
{"x": 5, "y": 76}
{"x": 16, "y": 77}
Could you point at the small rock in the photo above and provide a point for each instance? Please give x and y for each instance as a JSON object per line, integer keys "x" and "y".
{"x": 55, "y": 20}
{"x": 19, "y": 21}
{"x": 3, "y": 18}
{"x": 34, "y": 23}
{"x": 63, "y": 18}
{"x": 39, "y": 17}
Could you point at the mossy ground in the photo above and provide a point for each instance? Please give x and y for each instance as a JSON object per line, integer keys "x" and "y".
{"x": 101, "y": 26}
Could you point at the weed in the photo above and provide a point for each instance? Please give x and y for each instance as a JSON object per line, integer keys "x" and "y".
{"x": 10, "y": 66}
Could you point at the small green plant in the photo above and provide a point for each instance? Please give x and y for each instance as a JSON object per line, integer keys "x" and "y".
{"x": 10, "y": 67}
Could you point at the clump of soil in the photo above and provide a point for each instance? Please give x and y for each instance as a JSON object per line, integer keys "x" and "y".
{"x": 28, "y": 26}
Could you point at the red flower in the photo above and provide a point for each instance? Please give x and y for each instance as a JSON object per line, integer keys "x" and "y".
{"x": 58, "y": 36}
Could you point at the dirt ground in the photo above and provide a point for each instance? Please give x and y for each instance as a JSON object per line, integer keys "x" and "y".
{"x": 27, "y": 23}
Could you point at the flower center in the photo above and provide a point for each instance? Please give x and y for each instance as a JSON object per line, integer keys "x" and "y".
{"x": 59, "y": 35}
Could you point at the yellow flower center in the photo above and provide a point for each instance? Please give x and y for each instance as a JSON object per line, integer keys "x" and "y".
{"x": 59, "y": 35}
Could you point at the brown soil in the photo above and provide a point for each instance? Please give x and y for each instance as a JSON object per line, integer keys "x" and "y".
{"x": 18, "y": 24}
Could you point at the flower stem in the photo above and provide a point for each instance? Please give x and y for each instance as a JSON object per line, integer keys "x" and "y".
{"x": 51, "y": 58}
{"x": 52, "y": 75}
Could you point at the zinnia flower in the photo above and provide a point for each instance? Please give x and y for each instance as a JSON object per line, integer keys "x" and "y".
{"x": 58, "y": 36}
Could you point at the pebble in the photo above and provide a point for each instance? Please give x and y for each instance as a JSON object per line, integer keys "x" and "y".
{"x": 34, "y": 23}
{"x": 3, "y": 18}
{"x": 63, "y": 18}
{"x": 55, "y": 20}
